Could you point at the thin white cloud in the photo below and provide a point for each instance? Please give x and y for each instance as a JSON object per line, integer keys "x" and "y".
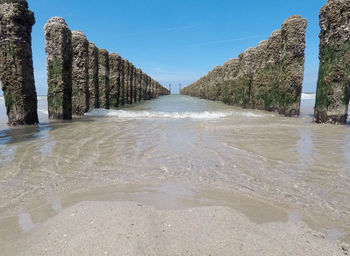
{"x": 228, "y": 40}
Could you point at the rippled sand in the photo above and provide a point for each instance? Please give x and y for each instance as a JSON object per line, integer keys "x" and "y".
{"x": 178, "y": 152}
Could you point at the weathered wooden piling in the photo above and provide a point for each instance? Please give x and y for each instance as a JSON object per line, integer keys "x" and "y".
{"x": 144, "y": 86}
{"x": 158, "y": 92}
{"x": 80, "y": 73}
{"x": 126, "y": 81}
{"x": 58, "y": 47}
{"x": 122, "y": 80}
{"x": 333, "y": 86}
{"x": 16, "y": 62}
{"x": 156, "y": 95}
{"x": 94, "y": 101}
{"x": 138, "y": 85}
{"x": 152, "y": 89}
{"x": 157, "y": 89}
{"x": 115, "y": 65}
{"x": 292, "y": 65}
{"x": 225, "y": 92}
{"x": 103, "y": 78}
{"x": 148, "y": 86}
{"x": 131, "y": 84}
{"x": 134, "y": 85}
{"x": 266, "y": 79}
{"x": 243, "y": 86}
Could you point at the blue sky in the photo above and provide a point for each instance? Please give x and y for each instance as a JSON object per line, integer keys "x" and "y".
{"x": 176, "y": 41}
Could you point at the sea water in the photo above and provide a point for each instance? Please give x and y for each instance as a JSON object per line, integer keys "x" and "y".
{"x": 178, "y": 151}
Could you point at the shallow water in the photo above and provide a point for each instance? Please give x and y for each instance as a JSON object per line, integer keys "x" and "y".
{"x": 175, "y": 152}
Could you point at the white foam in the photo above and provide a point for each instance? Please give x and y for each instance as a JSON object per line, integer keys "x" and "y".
{"x": 123, "y": 114}
{"x": 42, "y": 98}
{"x": 308, "y": 96}
{"x": 157, "y": 115}
{"x": 43, "y": 111}
{"x": 251, "y": 114}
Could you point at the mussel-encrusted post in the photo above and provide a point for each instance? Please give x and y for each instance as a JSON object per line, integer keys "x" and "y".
{"x": 94, "y": 101}
{"x": 80, "y": 73}
{"x": 115, "y": 62}
{"x": 333, "y": 87}
{"x": 16, "y": 62}
{"x": 58, "y": 46}
{"x": 103, "y": 78}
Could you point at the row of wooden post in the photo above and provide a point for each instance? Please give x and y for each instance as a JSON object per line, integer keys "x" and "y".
{"x": 82, "y": 77}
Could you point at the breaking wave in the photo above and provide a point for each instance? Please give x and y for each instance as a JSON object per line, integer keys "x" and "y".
{"x": 308, "y": 96}
{"x": 43, "y": 111}
{"x": 122, "y": 114}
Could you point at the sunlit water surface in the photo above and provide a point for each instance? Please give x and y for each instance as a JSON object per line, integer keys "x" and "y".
{"x": 178, "y": 151}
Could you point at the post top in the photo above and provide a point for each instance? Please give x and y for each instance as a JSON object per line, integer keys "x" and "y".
{"x": 22, "y": 2}
{"x": 78, "y": 34}
{"x": 56, "y": 21}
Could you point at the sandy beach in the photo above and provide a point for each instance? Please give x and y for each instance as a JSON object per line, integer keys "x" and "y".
{"x": 128, "y": 228}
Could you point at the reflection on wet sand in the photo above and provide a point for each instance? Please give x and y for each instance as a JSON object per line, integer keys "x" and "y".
{"x": 25, "y": 222}
{"x": 305, "y": 148}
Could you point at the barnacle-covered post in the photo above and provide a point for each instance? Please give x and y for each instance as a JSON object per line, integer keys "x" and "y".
{"x": 80, "y": 73}
{"x": 58, "y": 46}
{"x": 16, "y": 62}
